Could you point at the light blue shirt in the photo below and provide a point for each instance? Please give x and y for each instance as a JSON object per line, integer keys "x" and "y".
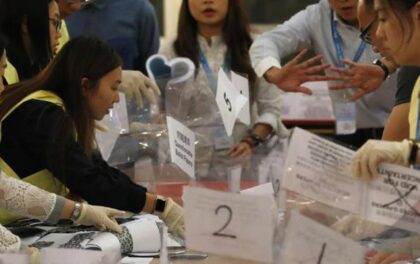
{"x": 311, "y": 28}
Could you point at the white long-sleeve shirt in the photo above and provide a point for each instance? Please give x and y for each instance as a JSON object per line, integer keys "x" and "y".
{"x": 267, "y": 102}
{"x": 311, "y": 28}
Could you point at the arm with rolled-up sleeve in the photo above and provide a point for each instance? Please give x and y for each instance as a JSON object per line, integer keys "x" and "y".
{"x": 268, "y": 99}
{"x": 270, "y": 47}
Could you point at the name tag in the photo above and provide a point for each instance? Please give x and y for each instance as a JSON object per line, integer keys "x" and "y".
{"x": 345, "y": 118}
{"x": 229, "y": 224}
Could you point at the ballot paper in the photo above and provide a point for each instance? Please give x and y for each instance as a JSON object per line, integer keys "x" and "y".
{"x": 308, "y": 242}
{"x": 229, "y": 101}
{"x": 302, "y": 107}
{"x": 140, "y": 235}
{"x": 229, "y": 224}
{"x": 394, "y": 198}
{"x": 137, "y": 236}
{"x": 321, "y": 170}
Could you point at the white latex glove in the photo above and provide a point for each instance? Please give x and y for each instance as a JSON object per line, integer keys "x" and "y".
{"x": 354, "y": 227}
{"x": 101, "y": 217}
{"x": 135, "y": 83}
{"x": 372, "y": 153}
{"x": 33, "y": 255}
{"x": 173, "y": 216}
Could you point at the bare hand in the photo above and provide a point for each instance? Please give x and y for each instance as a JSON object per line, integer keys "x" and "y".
{"x": 292, "y": 75}
{"x": 240, "y": 150}
{"x": 365, "y": 77}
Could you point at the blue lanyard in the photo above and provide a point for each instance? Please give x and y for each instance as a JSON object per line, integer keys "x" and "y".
{"x": 339, "y": 48}
{"x": 210, "y": 77}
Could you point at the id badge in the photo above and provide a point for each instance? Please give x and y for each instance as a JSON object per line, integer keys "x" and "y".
{"x": 345, "y": 118}
{"x": 221, "y": 139}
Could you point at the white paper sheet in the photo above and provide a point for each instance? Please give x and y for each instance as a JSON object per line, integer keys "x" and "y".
{"x": 229, "y": 223}
{"x": 145, "y": 236}
{"x": 318, "y": 106}
{"x": 321, "y": 170}
{"x": 242, "y": 85}
{"x": 383, "y": 204}
{"x": 182, "y": 146}
{"x": 229, "y": 101}
{"x": 116, "y": 123}
{"x": 307, "y": 242}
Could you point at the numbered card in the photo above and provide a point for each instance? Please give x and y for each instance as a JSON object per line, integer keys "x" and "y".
{"x": 242, "y": 85}
{"x": 229, "y": 101}
{"x": 320, "y": 169}
{"x": 182, "y": 146}
{"x": 307, "y": 242}
{"x": 14, "y": 258}
{"x": 394, "y": 198}
{"x": 229, "y": 224}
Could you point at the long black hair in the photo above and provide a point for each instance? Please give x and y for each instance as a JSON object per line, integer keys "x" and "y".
{"x": 85, "y": 56}
{"x": 35, "y": 14}
{"x": 236, "y": 35}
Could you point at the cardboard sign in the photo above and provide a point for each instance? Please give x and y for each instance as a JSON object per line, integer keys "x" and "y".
{"x": 229, "y": 224}
{"x": 229, "y": 101}
{"x": 306, "y": 241}
{"x": 182, "y": 145}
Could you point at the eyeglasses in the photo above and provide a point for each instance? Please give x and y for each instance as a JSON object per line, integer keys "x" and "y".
{"x": 365, "y": 35}
{"x": 56, "y": 24}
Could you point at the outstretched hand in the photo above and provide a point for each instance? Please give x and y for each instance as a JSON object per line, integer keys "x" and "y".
{"x": 366, "y": 77}
{"x": 292, "y": 75}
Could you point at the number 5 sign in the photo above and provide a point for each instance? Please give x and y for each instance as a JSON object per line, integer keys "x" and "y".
{"x": 229, "y": 224}
{"x": 229, "y": 100}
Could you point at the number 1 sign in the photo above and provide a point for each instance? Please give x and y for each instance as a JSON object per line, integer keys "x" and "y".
{"x": 229, "y": 224}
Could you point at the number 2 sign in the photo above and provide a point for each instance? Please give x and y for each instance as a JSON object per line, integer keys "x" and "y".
{"x": 229, "y": 224}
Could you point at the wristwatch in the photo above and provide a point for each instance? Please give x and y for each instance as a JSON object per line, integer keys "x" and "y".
{"x": 160, "y": 205}
{"x": 412, "y": 158}
{"x": 379, "y": 63}
{"x": 76, "y": 212}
